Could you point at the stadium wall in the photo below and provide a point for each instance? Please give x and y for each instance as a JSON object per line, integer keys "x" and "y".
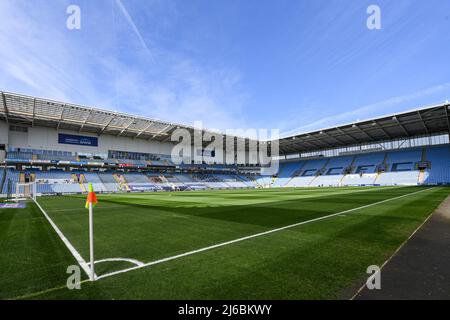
{"x": 47, "y": 139}
{"x": 44, "y": 138}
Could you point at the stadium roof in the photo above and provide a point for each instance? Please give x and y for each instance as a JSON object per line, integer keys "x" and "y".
{"x": 16, "y": 108}
{"x": 419, "y": 122}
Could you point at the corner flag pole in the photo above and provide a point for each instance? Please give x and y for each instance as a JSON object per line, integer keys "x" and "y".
{"x": 90, "y": 202}
{"x": 91, "y": 239}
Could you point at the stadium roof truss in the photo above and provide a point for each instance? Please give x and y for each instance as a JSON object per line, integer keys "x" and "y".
{"x": 420, "y": 122}
{"x": 20, "y": 109}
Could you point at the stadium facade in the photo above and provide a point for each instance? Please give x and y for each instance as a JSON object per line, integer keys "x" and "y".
{"x": 62, "y": 147}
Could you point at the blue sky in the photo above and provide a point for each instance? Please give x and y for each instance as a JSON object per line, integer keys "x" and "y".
{"x": 295, "y": 65}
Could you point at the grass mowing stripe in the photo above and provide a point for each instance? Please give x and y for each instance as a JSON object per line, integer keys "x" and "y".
{"x": 145, "y": 232}
{"x": 316, "y": 261}
{"x": 254, "y": 236}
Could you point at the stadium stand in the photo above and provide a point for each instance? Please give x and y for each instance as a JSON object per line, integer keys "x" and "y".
{"x": 181, "y": 178}
{"x": 380, "y": 168}
{"x": 208, "y": 180}
{"x": 249, "y": 181}
{"x": 398, "y": 178}
{"x": 368, "y": 163}
{"x": 333, "y": 172}
{"x": 55, "y": 181}
{"x": 19, "y": 155}
{"x": 233, "y": 181}
{"x": 263, "y": 181}
{"x": 286, "y": 172}
{"x": 401, "y": 168}
{"x": 364, "y": 169}
{"x": 172, "y": 179}
{"x": 136, "y": 178}
{"x": 439, "y": 173}
{"x": 92, "y": 177}
{"x": 2, "y": 175}
{"x": 360, "y": 179}
{"x": 373, "y": 152}
{"x": 108, "y": 181}
{"x": 159, "y": 180}
{"x": 39, "y": 154}
{"x": 309, "y": 169}
{"x": 11, "y": 176}
{"x": 403, "y": 160}
{"x": 139, "y": 182}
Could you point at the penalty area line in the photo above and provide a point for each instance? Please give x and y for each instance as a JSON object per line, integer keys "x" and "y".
{"x": 223, "y": 244}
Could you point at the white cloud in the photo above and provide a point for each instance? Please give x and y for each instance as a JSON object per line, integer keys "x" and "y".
{"x": 96, "y": 67}
{"x": 40, "y": 56}
{"x": 184, "y": 94}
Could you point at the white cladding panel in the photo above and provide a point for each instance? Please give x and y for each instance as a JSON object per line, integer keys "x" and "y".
{"x": 47, "y": 139}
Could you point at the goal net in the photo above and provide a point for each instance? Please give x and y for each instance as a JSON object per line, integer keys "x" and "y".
{"x": 25, "y": 191}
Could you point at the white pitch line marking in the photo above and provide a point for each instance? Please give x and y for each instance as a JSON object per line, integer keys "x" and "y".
{"x": 253, "y": 236}
{"x": 132, "y": 261}
{"x": 69, "y": 246}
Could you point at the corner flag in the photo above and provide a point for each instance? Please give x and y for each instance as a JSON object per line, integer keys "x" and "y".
{"x": 92, "y": 197}
{"x": 91, "y": 201}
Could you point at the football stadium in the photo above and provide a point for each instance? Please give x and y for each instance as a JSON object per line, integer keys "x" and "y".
{"x": 223, "y": 159}
{"x": 343, "y": 199}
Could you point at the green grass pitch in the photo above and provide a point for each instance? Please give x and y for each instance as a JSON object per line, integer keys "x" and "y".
{"x": 325, "y": 259}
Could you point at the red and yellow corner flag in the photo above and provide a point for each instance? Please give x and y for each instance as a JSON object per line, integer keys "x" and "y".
{"x": 92, "y": 197}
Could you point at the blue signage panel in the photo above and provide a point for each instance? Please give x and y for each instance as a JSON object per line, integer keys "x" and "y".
{"x": 77, "y": 140}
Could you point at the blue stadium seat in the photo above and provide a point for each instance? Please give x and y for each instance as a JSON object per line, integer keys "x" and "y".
{"x": 439, "y": 173}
